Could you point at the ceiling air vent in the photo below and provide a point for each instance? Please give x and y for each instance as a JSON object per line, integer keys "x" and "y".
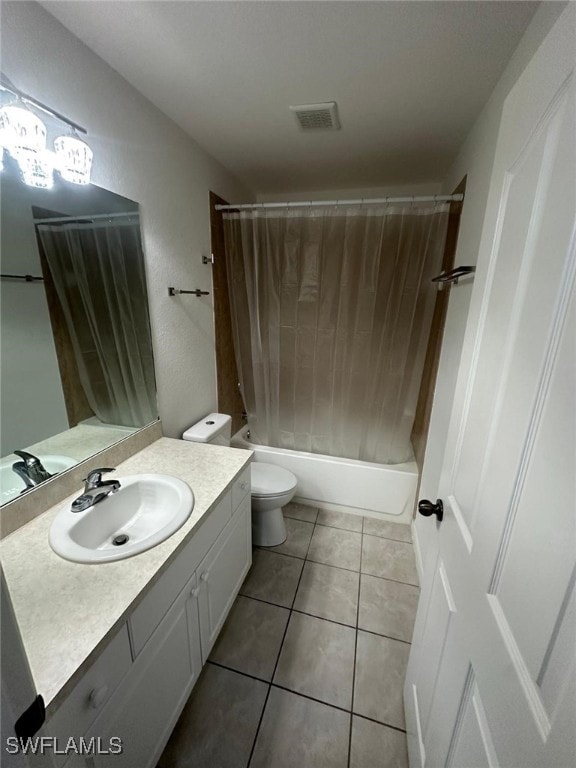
{"x": 314, "y": 117}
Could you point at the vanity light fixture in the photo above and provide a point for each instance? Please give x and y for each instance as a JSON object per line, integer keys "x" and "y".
{"x": 23, "y": 136}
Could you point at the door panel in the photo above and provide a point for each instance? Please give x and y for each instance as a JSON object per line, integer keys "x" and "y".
{"x": 472, "y": 742}
{"x": 442, "y": 609}
{"x": 544, "y": 531}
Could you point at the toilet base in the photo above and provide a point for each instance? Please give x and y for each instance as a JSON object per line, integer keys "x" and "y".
{"x": 268, "y": 527}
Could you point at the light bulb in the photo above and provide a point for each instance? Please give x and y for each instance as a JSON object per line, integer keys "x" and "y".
{"x": 37, "y": 167}
{"x": 20, "y": 128}
{"x": 74, "y": 159}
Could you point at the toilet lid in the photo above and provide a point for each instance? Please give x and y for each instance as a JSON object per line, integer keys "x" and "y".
{"x": 270, "y": 480}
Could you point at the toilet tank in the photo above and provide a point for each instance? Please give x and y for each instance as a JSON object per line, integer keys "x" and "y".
{"x": 216, "y": 428}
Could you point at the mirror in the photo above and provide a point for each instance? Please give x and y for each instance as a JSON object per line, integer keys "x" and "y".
{"x": 75, "y": 345}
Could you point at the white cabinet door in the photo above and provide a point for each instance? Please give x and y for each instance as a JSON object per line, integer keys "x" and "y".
{"x": 221, "y": 574}
{"x": 144, "y": 710}
{"x": 492, "y": 674}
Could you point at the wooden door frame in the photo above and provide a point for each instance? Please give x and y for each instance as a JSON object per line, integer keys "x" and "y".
{"x": 227, "y": 379}
{"x": 420, "y": 429}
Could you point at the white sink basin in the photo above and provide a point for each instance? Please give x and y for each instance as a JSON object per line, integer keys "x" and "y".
{"x": 144, "y": 512}
{"x": 12, "y": 486}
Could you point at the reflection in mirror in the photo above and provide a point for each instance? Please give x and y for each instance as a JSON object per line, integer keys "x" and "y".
{"x": 76, "y": 352}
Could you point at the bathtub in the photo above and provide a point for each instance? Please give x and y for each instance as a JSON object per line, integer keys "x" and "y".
{"x": 386, "y": 491}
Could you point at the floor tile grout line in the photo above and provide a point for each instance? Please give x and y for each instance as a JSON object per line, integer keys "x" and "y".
{"x": 380, "y": 634}
{"x": 339, "y": 528}
{"x": 272, "y": 551}
{"x": 388, "y": 538}
{"x": 267, "y": 602}
{"x": 319, "y": 562}
{"x": 238, "y": 671}
{"x": 259, "y": 725}
{"x": 335, "y": 706}
{"x": 278, "y": 655}
{"x": 304, "y": 695}
{"x": 311, "y": 698}
{"x": 352, "y": 530}
{"x": 327, "y": 565}
{"x": 304, "y": 613}
{"x": 355, "y": 647}
{"x": 389, "y": 578}
{"x": 366, "y": 573}
{"x": 301, "y": 519}
{"x": 323, "y": 618}
{"x": 394, "y": 581}
{"x": 379, "y": 722}
{"x": 350, "y": 570}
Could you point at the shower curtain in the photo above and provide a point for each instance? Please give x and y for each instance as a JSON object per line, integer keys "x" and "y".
{"x": 98, "y": 272}
{"x": 331, "y": 312}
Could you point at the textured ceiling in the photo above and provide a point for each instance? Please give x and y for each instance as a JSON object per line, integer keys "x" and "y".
{"x": 409, "y": 79}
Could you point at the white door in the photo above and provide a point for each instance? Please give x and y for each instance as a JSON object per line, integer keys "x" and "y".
{"x": 491, "y": 678}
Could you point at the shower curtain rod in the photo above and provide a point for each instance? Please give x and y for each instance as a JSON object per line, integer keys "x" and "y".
{"x": 362, "y": 201}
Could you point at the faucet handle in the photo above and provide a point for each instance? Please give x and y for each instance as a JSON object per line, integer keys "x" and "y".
{"x": 28, "y": 458}
{"x": 33, "y": 467}
{"x": 94, "y": 478}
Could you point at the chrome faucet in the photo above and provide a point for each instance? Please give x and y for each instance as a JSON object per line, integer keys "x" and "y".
{"x": 30, "y": 469}
{"x": 95, "y": 489}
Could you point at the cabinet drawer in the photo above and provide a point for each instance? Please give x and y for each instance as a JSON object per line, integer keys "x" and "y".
{"x": 240, "y": 487}
{"x": 87, "y": 699}
{"x": 153, "y": 607}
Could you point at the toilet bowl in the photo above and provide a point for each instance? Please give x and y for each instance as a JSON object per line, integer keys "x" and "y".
{"x": 272, "y": 486}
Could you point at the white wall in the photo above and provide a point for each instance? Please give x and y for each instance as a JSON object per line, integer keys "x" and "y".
{"x": 141, "y": 154}
{"x": 353, "y": 193}
{"x": 475, "y": 160}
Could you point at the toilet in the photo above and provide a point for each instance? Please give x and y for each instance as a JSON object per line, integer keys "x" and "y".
{"x": 272, "y": 486}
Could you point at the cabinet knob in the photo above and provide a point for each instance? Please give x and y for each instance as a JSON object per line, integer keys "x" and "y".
{"x": 244, "y": 486}
{"x": 195, "y": 592}
{"x": 97, "y": 696}
{"x": 204, "y": 576}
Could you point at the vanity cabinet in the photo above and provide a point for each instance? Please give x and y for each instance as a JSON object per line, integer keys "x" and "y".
{"x": 137, "y": 687}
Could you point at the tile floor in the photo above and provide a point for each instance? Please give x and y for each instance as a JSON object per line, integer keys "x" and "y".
{"x": 309, "y": 668}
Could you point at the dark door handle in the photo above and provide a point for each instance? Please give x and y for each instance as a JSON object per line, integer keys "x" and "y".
{"x": 428, "y": 508}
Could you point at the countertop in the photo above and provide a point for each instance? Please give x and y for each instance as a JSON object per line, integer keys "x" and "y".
{"x": 67, "y": 611}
